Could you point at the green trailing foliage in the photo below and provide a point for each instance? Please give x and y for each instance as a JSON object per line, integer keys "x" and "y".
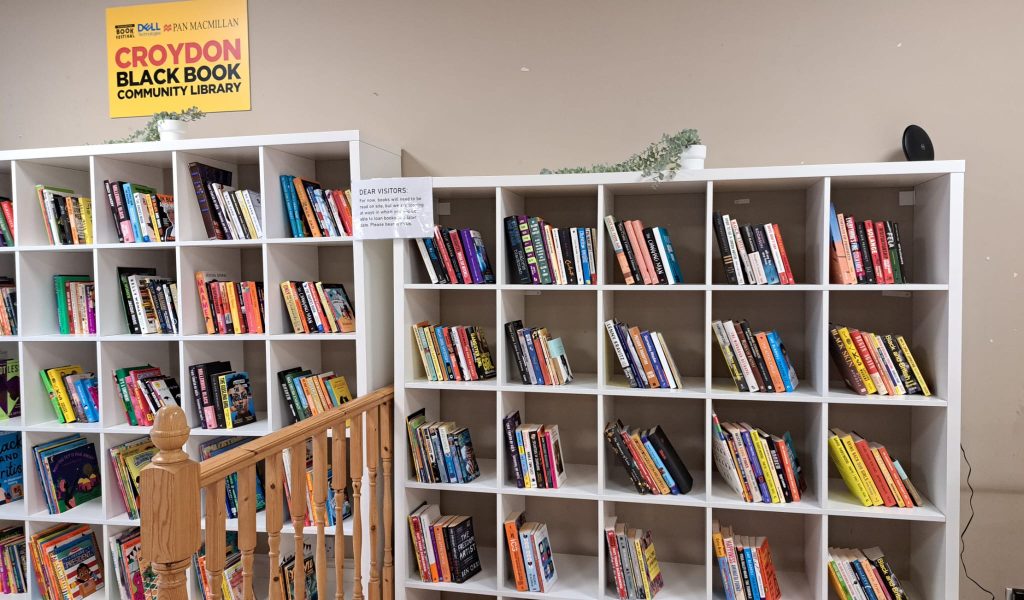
{"x": 658, "y": 161}
{"x": 150, "y": 132}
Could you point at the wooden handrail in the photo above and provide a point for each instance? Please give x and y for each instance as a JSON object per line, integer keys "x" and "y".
{"x": 173, "y": 486}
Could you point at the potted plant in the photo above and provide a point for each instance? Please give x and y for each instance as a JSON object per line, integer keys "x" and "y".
{"x": 659, "y": 161}
{"x": 164, "y": 126}
{"x": 693, "y": 152}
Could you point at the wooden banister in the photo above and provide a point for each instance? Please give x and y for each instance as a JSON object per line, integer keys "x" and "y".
{"x": 173, "y": 485}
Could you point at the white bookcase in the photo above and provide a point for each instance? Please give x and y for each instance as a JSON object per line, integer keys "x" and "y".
{"x": 364, "y": 357}
{"x": 924, "y": 433}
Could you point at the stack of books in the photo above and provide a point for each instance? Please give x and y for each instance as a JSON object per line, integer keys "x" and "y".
{"x": 12, "y": 478}
{"x": 288, "y": 567}
{"x": 128, "y": 459}
{"x": 758, "y": 466}
{"x": 8, "y": 307}
{"x": 6, "y": 221}
{"x": 316, "y": 307}
{"x": 541, "y": 359}
{"x": 649, "y": 458}
{"x": 218, "y": 446}
{"x": 12, "y": 556}
{"x": 864, "y": 573}
{"x": 533, "y": 453}
{"x": 67, "y": 218}
{"x": 143, "y": 391}
{"x": 316, "y": 212}
{"x": 68, "y": 472}
{"x": 64, "y": 549}
{"x": 228, "y": 213}
{"x": 752, "y": 254}
{"x": 76, "y": 304}
{"x": 10, "y": 388}
{"x": 745, "y": 565}
{"x": 865, "y": 252}
{"x": 306, "y": 393}
{"x": 140, "y": 213}
{"x": 150, "y": 302}
{"x": 442, "y": 452}
{"x": 133, "y": 581}
{"x": 331, "y": 519}
{"x": 445, "y": 546}
{"x": 73, "y": 394}
{"x": 232, "y": 582}
{"x": 872, "y": 363}
{"x": 643, "y": 356}
{"x": 530, "y": 553}
{"x": 872, "y": 476}
{"x": 230, "y": 306}
{"x": 453, "y": 353}
{"x": 455, "y": 256}
{"x": 645, "y": 254}
{"x": 757, "y": 361}
{"x": 222, "y": 396}
{"x": 541, "y": 254}
{"x": 632, "y": 561}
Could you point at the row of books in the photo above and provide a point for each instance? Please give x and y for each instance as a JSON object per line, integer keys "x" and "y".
{"x": 645, "y": 254}
{"x": 218, "y": 446}
{"x": 306, "y": 393}
{"x": 8, "y": 307}
{"x": 865, "y": 252}
{"x": 541, "y": 359}
{"x": 76, "y": 304}
{"x": 68, "y": 562}
{"x": 455, "y": 256}
{"x": 143, "y": 391}
{"x": 758, "y": 466}
{"x": 128, "y": 459}
{"x": 227, "y": 213}
{"x": 12, "y": 473}
{"x": 12, "y": 561}
{"x": 150, "y": 302}
{"x": 871, "y": 363}
{"x": 230, "y": 307}
{"x": 757, "y": 361}
{"x": 67, "y": 218}
{"x": 6, "y": 221}
{"x": 649, "y": 458}
{"x": 222, "y": 396}
{"x": 442, "y": 452}
{"x": 232, "y": 580}
{"x": 745, "y": 565}
{"x": 530, "y": 553}
{"x": 140, "y": 213}
{"x": 539, "y": 253}
{"x": 445, "y": 546}
{"x": 316, "y": 307}
{"x": 331, "y": 516}
{"x": 870, "y": 473}
{"x": 73, "y": 393}
{"x": 752, "y": 254}
{"x": 134, "y": 581}
{"x": 68, "y": 472}
{"x": 632, "y": 561}
{"x": 314, "y": 211}
{"x": 533, "y": 453}
{"x": 863, "y": 575}
{"x": 10, "y": 388}
{"x": 453, "y": 353}
{"x": 289, "y": 564}
{"x": 644, "y": 356}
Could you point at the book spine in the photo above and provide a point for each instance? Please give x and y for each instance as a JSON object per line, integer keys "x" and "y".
{"x": 906, "y": 374}
{"x": 669, "y": 254}
{"x": 529, "y": 247}
{"x": 761, "y": 239}
{"x": 656, "y": 257}
{"x": 746, "y": 246}
{"x": 845, "y": 363}
{"x": 869, "y": 363}
{"x": 617, "y": 346}
{"x": 913, "y": 365}
{"x": 519, "y": 269}
{"x": 741, "y": 357}
{"x": 730, "y": 358}
{"x": 753, "y": 350}
{"x": 865, "y": 249}
{"x": 856, "y": 251}
{"x": 619, "y": 448}
{"x": 540, "y": 250}
{"x": 785, "y": 277}
{"x": 617, "y": 247}
{"x": 727, "y": 247}
{"x": 899, "y": 252}
{"x": 630, "y": 253}
{"x": 460, "y": 256}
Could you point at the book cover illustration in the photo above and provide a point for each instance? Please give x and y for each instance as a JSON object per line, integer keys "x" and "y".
{"x": 11, "y": 470}
{"x": 240, "y": 400}
{"x": 75, "y": 475}
{"x": 83, "y": 565}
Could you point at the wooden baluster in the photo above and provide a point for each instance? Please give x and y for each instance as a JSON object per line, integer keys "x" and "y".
{"x": 320, "y": 509}
{"x": 247, "y": 525}
{"x": 216, "y": 544}
{"x": 389, "y": 512}
{"x": 275, "y": 517}
{"x": 372, "y": 456}
{"x": 339, "y": 476}
{"x": 298, "y": 510}
{"x": 356, "y": 467}
{"x": 171, "y": 531}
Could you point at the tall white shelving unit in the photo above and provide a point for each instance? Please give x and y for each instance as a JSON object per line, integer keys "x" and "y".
{"x": 364, "y": 357}
{"x": 923, "y": 432}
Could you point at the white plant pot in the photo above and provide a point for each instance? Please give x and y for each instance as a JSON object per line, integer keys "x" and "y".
{"x": 693, "y": 157}
{"x": 171, "y": 129}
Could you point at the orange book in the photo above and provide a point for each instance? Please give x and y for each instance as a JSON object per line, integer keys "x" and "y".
{"x": 254, "y": 302}
{"x": 515, "y": 553}
{"x": 873, "y": 470}
{"x": 768, "y": 574}
{"x": 313, "y": 298}
{"x": 645, "y": 361}
{"x": 643, "y": 255}
{"x": 307, "y": 206}
{"x": 894, "y": 474}
{"x": 542, "y": 358}
{"x": 204, "y": 302}
{"x": 769, "y": 361}
{"x": 443, "y": 569}
{"x": 236, "y": 314}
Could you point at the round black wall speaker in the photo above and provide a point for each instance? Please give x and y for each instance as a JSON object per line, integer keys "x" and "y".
{"x": 916, "y": 144}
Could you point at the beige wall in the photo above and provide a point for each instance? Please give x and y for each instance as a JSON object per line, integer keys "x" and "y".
{"x": 765, "y": 82}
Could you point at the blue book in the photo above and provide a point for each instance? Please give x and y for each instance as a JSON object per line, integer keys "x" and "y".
{"x": 443, "y": 347}
{"x": 521, "y": 451}
{"x": 133, "y": 215}
{"x": 291, "y": 205}
{"x": 92, "y": 415}
{"x": 752, "y": 572}
{"x": 862, "y": 578}
{"x": 439, "y": 455}
{"x": 833, "y": 225}
{"x": 671, "y": 483}
{"x": 652, "y": 353}
{"x": 449, "y": 457}
{"x": 748, "y": 447}
{"x": 723, "y": 570}
{"x": 780, "y": 359}
{"x": 581, "y": 235}
{"x": 670, "y": 254}
{"x": 469, "y": 250}
{"x": 627, "y": 342}
{"x": 12, "y": 475}
{"x": 534, "y": 359}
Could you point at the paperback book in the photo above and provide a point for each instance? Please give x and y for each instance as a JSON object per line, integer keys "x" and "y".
{"x": 140, "y": 213}
{"x": 68, "y": 562}
{"x": 76, "y": 304}
{"x": 871, "y": 363}
{"x": 442, "y": 452}
{"x": 8, "y": 307}
{"x": 758, "y": 466}
{"x": 650, "y": 460}
{"x": 530, "y": 553}
{"x": 67, "y": 218}
{"x": 331, "y": 505}
{"x": 222, "y": 396}
{"x": 644, "y": 356}
{"x": 230, "y": 307}
{"x": 134, "y": 581}
{"x": 69, "y": 473}
{"x": 745, "y": 565}
{"x": 128, "y": 460}
{"x": 541, "y": 359}
{"x": 316, "y": 307}
{"x": 218, "y": 446}
{"x": 10, "y": 388}
{"x": 445, "y": 545}
{"x": 752, "y": 254}
{"x": 314, "y": 211}
{"x": 73, "y": 393}
{"x": 539, "y": 253}
{"x": 305, "y": 393}
{"x": 228, "y": 213}
{"x": 856, "y": 573}
{"x": 533, "y": 453}
{"x": 632, "y": 561}
{"x": 12, "y": 476}
{"x": 13, "y": 578}
{"x": 873, "y": 476}
{"x": 455, "y": 256}
{"x": 865, "y": 252}
{"x": 453, "y": 352}
{"x": 757, "y": 360}
{"x": 6, "y": 221}
{"x": 150, "y": 302}
{"x": 645, "y": 254}
{"x": 144, "y": 390}
{"x": 306, "y": 572}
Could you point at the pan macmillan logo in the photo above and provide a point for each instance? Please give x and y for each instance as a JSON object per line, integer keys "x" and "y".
{"x": 203, "y": 24}
{"x": 124, "y": 31}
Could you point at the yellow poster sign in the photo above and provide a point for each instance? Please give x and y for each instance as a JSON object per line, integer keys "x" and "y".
{"x": 174, "y": 55}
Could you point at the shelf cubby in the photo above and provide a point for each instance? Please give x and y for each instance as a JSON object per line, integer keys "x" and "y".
{"x": 328, "y": 163}
{"x": 70, "y": 173}
{"x": 116, "y": 355}
{"x": 92, "y": 511}
{"x": 109, "y": 303}
{"x": 323, "y": 263}
{"x": 462, "y": 210}
{"x": 152, "y": 169}
{"x": 318, "y": 356}
{"x": 244, "y": 355}
{"x": 243, "y": 263}
{"x": 450, "y": 307}
{"x": 36, "y": 409}
{"x": 37, "y": 302}
{"x": 242, "y": 162}
{"x": 909, "y": 548}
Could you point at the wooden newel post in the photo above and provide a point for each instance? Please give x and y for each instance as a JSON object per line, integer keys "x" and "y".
{"x": 170, "y": 505}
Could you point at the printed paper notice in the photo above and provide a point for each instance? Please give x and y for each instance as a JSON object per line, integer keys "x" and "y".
{"x": 400, "y": 207}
